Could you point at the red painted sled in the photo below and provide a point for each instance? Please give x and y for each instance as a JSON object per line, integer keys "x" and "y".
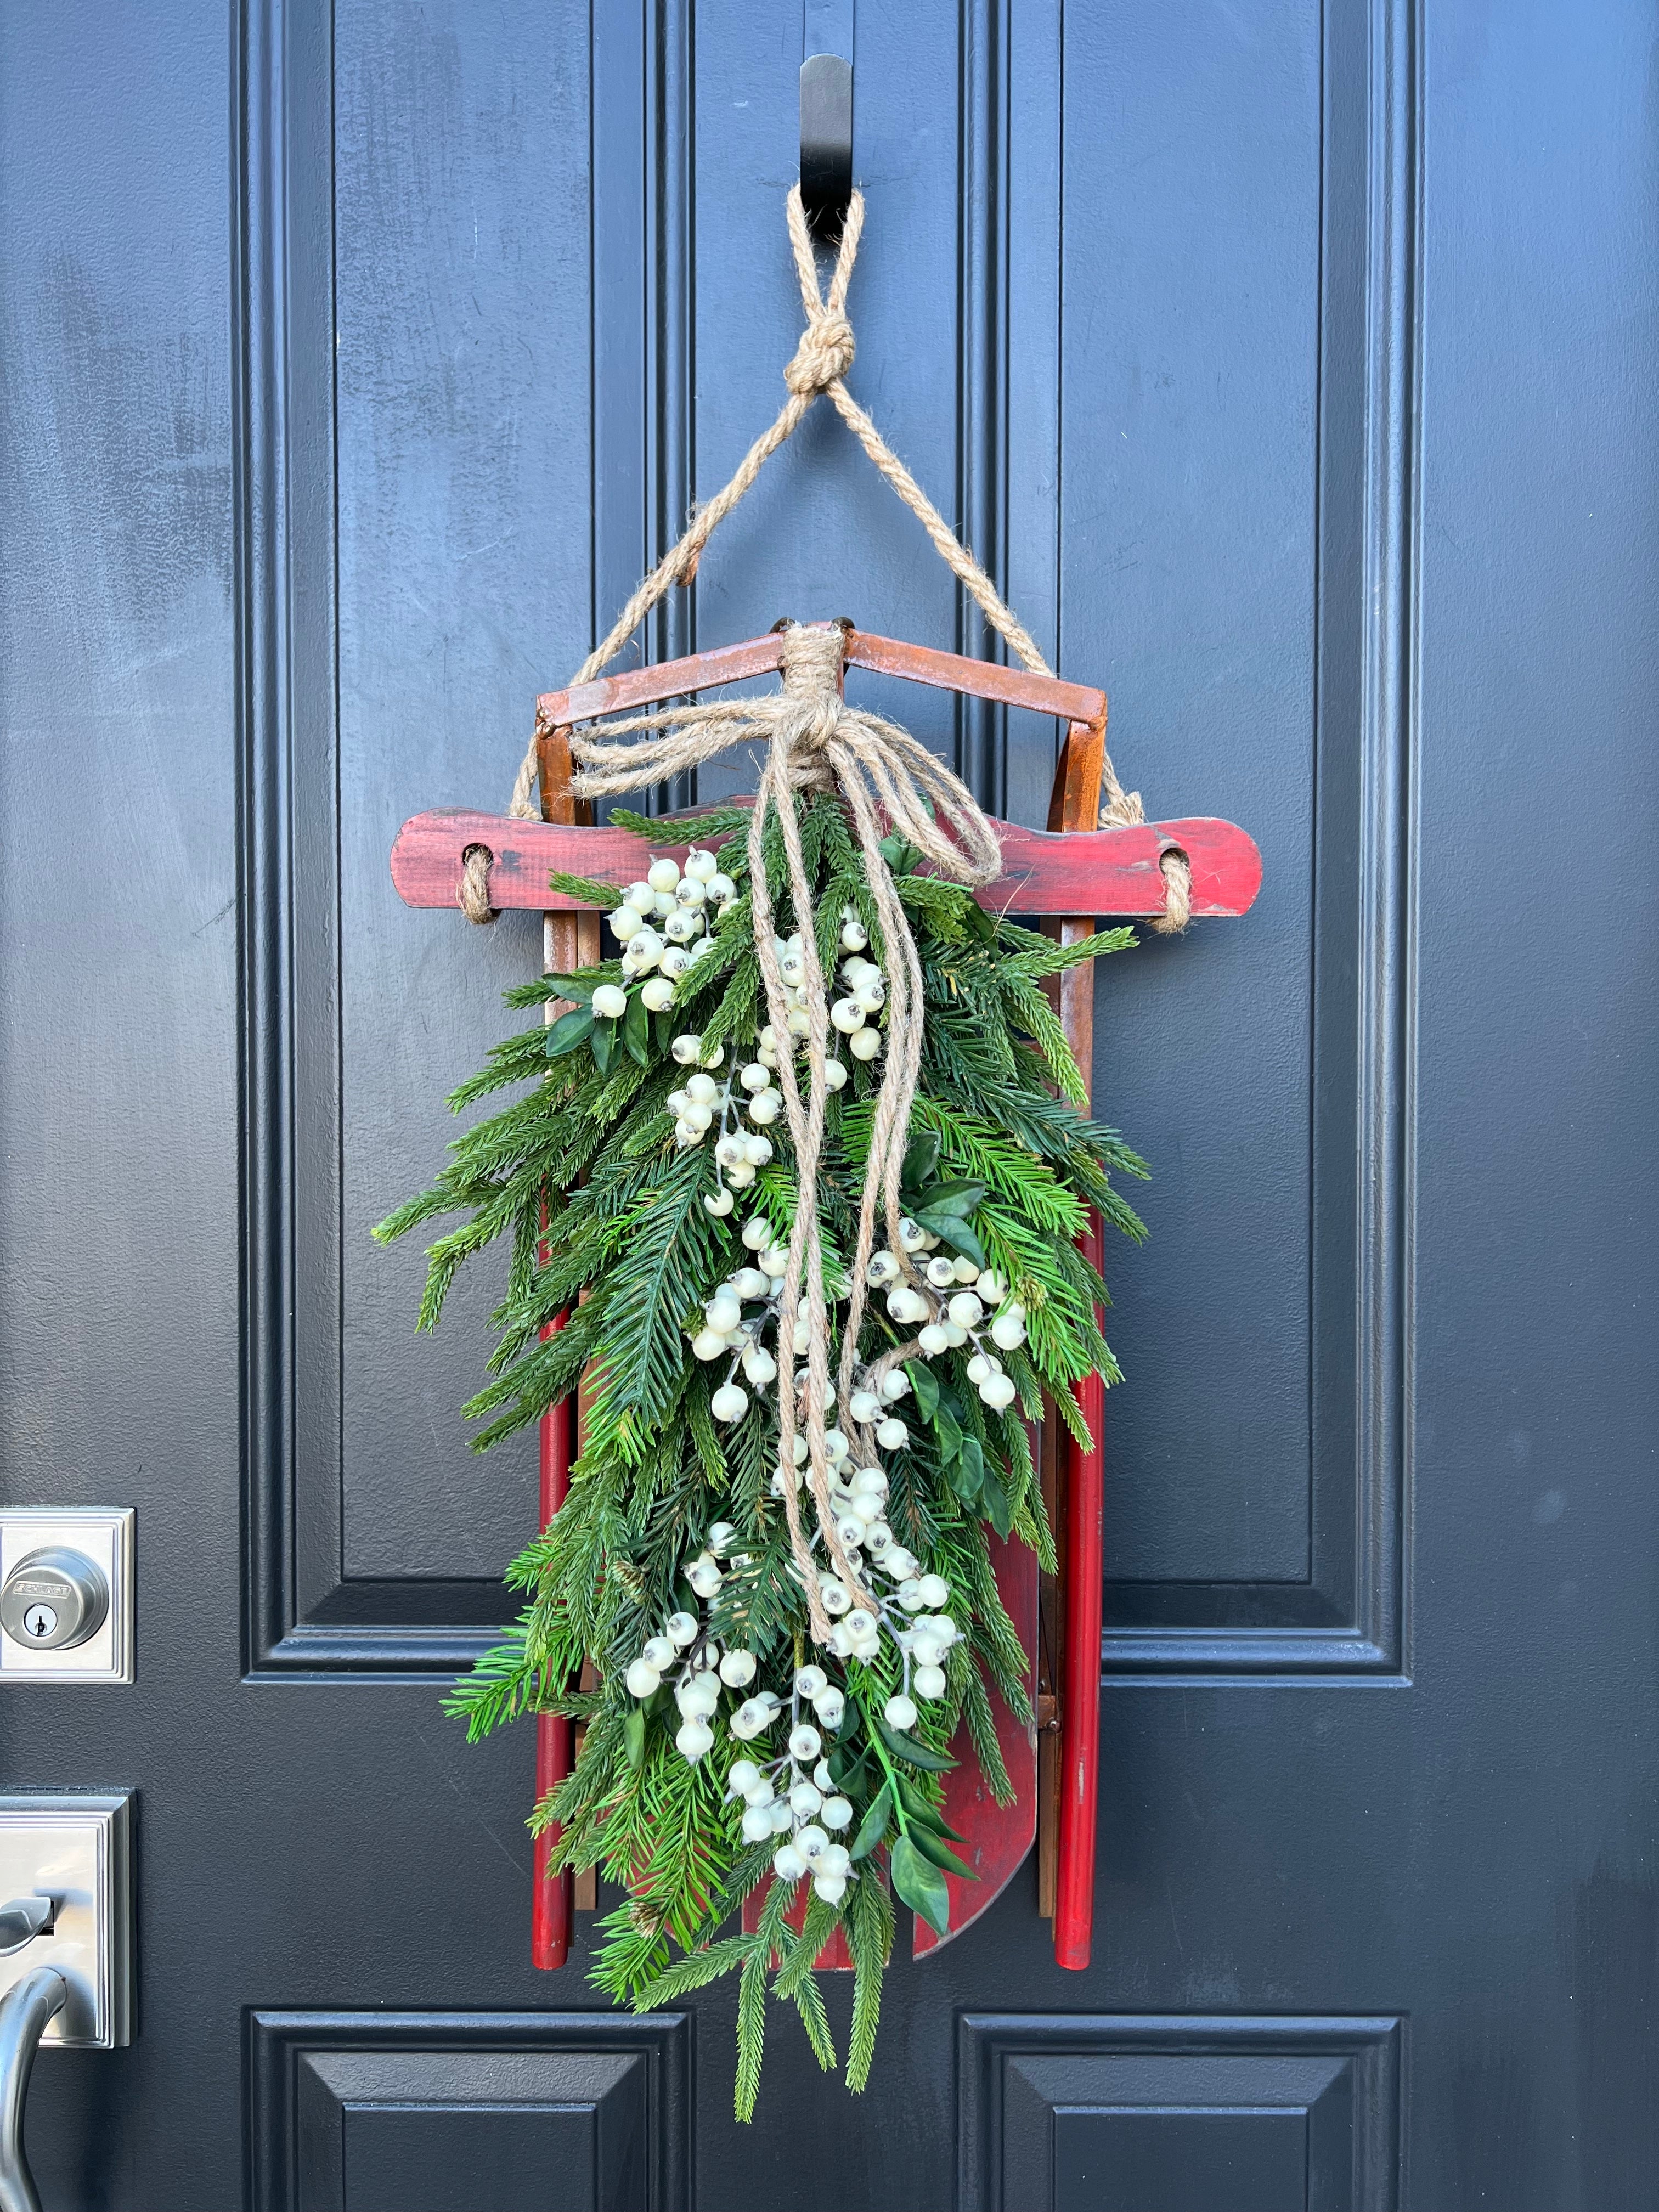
{"x": 1071, "y": 872}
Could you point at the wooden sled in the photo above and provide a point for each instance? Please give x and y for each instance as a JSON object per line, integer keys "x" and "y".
{"x": 1071, "y": 873}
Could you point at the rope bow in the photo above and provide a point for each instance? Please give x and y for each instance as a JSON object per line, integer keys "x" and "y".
{"x": 815, "y": 740}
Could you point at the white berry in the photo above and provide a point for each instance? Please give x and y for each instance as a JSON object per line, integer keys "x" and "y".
{"x": 729, "y": 1402}
{"x": 693, "y": 1739}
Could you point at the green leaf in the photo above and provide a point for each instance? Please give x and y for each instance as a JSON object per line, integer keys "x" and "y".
{"x": 604, "y": 1041}
{"x": 634, "y": 1737}
{"x": 845, "y": 1762}
{"x": 874, "y": 1825}
{"x": 968, "y": 1472}
{"x": 581, "y": 989}
{"x": 920, "y": 1160}
{"x": 635, "y": 1028}
{"x": 568, "y": 1031}
{"x": 995, "y": 1499}
{"x": 912, "y": 1753}
{"x": 935, "y": 1848}
{"x": 958, "y": 1198}
{"x": 949, "y": 1432}
{"x": 956, "y": 1233}
{"x": 900, "y": 854}
{"x": 920, "y": 1885}
{"x": 924, "y": 1383}
{"x": 916, "y": 1808}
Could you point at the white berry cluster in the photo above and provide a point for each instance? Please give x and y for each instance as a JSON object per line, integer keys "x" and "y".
{"x": 804, "y": 1809}
{"x": 705, "y": 1670}
{"x": 951, "y": 1301}
{"x": 738, "y": 1109}
{"x": 663, "y": 922}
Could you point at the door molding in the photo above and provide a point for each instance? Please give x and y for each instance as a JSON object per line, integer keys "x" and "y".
{"x": 329, "y": 2092}
{"x": 1048, "y": 2102}
{"x": 1349, "y": 1616}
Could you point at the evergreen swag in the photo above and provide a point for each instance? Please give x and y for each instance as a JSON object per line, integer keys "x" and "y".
{"x": 669, "y": 1565}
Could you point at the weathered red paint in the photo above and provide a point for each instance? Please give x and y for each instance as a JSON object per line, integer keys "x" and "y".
{"x": 552, "y": 1896}
{"x": 760, "y": 656}
{"x": 1080, "y": 1748}
{"x": 1085, "y": 871}
{"x": 996, "y": 1837}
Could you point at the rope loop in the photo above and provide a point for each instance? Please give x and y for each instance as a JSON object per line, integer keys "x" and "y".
{"x": 472, "y": 892}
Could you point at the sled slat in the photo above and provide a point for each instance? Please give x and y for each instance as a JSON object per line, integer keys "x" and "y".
{"x": 1088, "y": 871}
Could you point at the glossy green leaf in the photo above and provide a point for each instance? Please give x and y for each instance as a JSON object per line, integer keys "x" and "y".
{"x": 924, "y": 1383}
{"x": 949, "y": 1432}
{"x": 568, "y": 1031}
{"x": 917, "y": 1808}
{"x": 956, "y": 1197}
{"x": 875, "y": 1823}
{"x": 846, "y": 1759}
{"x": 967, "y": 1471}
{"x": 635, "y": 1029}
{"x": 920, "y": 1885}
{"x": 634, "y": 1737}
{"x": 913, "y": 1754}
{"x": 955, "y": 1233}
{"x": 920, "y": 1160}
{"x": 936, "y": 1849}
{"x": 605, "y": 1042}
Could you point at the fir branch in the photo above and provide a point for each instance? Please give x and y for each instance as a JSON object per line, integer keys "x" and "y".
{"x": 588, "y": 889}
{"x": 869, "y": 1924}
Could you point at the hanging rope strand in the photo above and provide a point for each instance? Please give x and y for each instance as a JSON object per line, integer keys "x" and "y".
{"x": 819, "y": 364}
{"x": 886, "y": 780}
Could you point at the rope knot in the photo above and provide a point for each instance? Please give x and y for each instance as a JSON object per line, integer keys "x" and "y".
{"x": 824, "y": 354}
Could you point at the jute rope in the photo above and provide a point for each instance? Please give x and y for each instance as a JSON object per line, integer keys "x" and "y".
{"x": 885, "y": 778}
{"x": 819, "y": 365}
{"x": 815, "y": 740}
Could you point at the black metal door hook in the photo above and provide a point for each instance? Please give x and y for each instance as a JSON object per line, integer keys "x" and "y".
{"x": 826, "y": 143}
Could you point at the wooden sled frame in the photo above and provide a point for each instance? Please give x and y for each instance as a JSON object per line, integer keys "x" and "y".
{"x": 1070, "y": 873}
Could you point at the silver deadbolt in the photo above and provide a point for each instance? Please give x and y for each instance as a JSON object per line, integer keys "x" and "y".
{"x": 54, "y": 1599}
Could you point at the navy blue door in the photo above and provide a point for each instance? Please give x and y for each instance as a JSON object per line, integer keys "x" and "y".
{"x": 1292, "y": 369}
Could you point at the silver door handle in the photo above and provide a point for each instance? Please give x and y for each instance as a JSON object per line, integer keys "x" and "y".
{"x": 25, "y": 2012}
{"x": 23, "y": 1919}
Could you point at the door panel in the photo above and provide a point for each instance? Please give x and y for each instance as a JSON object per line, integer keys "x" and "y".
{"x": 377, "y": 2112}
{"x": 1115, "y": 2115}
{"x": 1290, "y": 366}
